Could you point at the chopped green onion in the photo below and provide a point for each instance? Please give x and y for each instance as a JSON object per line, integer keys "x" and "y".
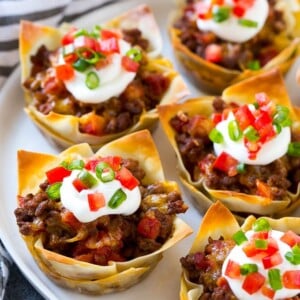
{"x": 104, "y": 172}
{"x": 247, "y": 23}
{"x": 53, "y": 190}
{"x": 296, "y": 249}
{"x": 239, "y": 237}
{"x": 92, "y": 80}
{"x": 81, "y": 32}
{"x": 241, "y": 168}
{"x": 89, "y": 55}
{"x": 221, "y": 14}
{"x": 277, "y": 128}
{"x": 294, "y": 149}
{"x": 135, "y": 54}
{"x": 76, "y": 164}
{"x": 95, "y": 33}
{"x": 246, "y": 269}
{"x": 293, "y": 258}
{"x": 87, "y": 178}
{"x": 216, "y": 136}
{"x": 261, "y": 224}
{"x": 234, "y": 130}
{"x": 251, "y": 134}
{"x": 81, "y": 65}
{"x": 274, "y": 279}
{"x": 261, "y": 244}
{"x": 117, "y": 198}
{"x": 282, "y": 116}
{"x": 254, "y": 65}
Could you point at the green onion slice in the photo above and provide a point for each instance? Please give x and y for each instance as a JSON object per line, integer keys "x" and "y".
{"x": 239, "y": 237}
{"x": 251, "y": 133}
{"x": 216, "y": 136}
{"x": 247, "y": 23}
{"x": 81, "y": 65}
{"x": 294, "y": 149}
{"x": 92, "y": 80}
{"x": 53, "y": 190}
{"x": 261, "y": 244}
{"x": 104, "y": 172}
{"x": 293, "y": 258}
{"x": 274, "y": 279}
{"x": 87, "y": 178}
{"x": 89, "y": 55}
{"x": 261, "y": 224}
{"x": 248, "y": 268}
{"x": 117, "y": 198}
{"x": 221, "y": 14}
{"x": 81, "y": 32}
{"x": 135, "y": 54}
{"x": 241, "y": 168}
{"x": 234, "y": 130}
{"x": 76, "y": 164}
{"x": 254, "y": 65}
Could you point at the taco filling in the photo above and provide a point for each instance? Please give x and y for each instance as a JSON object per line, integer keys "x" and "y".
{"x": 236, "y": 35}
{"x": 261, "y": 263}
{"x": 248, "y": 148}
{"x": 98, "y": 210}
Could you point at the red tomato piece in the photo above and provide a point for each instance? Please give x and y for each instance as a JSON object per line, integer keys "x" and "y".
{"x": 233, "y": 269}
{"x": 213, "y": 53}
{"x": 87, "y": 42}
{"x": 91, "y": 164}
{"x": 129, "y": 65}
{"x": 291, "y": 279}
{"x": 149, "y": 228}
{"x": 266, "y": 133}
{"x": 226, "y": 163}
{"x": 57, "y": 174}
{"x": 253, "y": 282}
{"x": 268, "y": 292}
{"x": 272, "y": 260}
{"x": 113, "y": 161}
{"x": 107, "y": 34}
{"x": 126, "y": 178}
{"x": 68, "y": 38}
{"x": 64, "y": 72}
{"x": 96, "y": 201}
{"x": 262, "y": 120}
{"x": 244, "y": 117}
{"x": 79, "y": 185}
{"x": 290, "y": 238}
{"x": 261, "y": 235}
{"x": 216, "y": 118}
{"x": 238, "y": 11}
{"x": 249, "y": 249}
{"x": 70, "y": 58}
{"x": 109, "y": 46}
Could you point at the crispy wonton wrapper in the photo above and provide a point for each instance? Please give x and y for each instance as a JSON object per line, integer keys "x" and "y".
{"x": 243, "y": 92}
{"x": 64, "y": 129}
{"x": 214, "y": 78}
{"x": 220, "y": 222}
{"x": 82, "y": 276}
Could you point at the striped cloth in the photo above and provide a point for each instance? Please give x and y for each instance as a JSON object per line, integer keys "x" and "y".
{"x": 50, "y": 12}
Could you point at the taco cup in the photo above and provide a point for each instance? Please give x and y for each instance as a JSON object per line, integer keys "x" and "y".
{"x": 95, "y": 85}
{"x": 226, "y": 260}
{"x": 121, "y": 218}
{"x": 228, "y": 41}
{"x": 253, "y": 168}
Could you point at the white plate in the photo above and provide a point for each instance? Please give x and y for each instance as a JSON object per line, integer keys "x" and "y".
{"x": 17, "y": 132}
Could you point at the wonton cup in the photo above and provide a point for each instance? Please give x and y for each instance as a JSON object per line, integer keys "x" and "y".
{"x": 243, "y": 92}
{"x": 82, "y": 276}
{"x": 63, "y": 129}
{"x": 214, "y": 78}
{"x": 220, "y": 222}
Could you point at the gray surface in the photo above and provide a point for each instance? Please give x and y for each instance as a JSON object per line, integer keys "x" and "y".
{"x": 18, "y": 287}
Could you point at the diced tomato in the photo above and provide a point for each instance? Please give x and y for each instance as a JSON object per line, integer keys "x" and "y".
{"x": 290, "y": 238}
{"x": 226, "y": 163}
{"x": 213, "y": 53}
{"x": 109, "y": 46}
{"x": 57, "y": 174}
{"x": 266, "y": 133}
{"x": 261, "y": 235}
{"x": 92, "y": 124}
{"x": 216, "y": 118}
{"x": 272, "y": 260}
{"x": 64, "y": 72}
{"x": 253, "y": 282}
{"x": 87, "y": 42}
{"x": 79, "y": 185}
{"x": 107, "y": 34}
{"x": 69, "y": 218}
{"x": 263, "y": 189}
{"x": 250, "y": 249}
{"x": 238, "y": 11}
{"x": 91, "y": 164}
{"x": 68, "y": 38}
{"x": 268, "y": 292}
{"x": 129, "y": 65}
{"x": 233, "y": 269}
{"x": 291, "y": 279}
{"x": 244, "y": 117}
{"x": 126, "y": 178}
{"x": 70, "y": 58}
{"x": 113, "y": 161}
{"x": 96, "y": 201}
{"x": 262, "y": 120}
{"x": 149, "y": 227}
{"x": 218, "y": 2}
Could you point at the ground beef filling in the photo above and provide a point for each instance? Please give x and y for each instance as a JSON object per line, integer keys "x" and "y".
{"x": 111, "y": 237}
{"x": 235, "y": 56}
{"x": 205, "y": 268}
{"x": 142, "y": 94}
{"x": 196, "y": 150}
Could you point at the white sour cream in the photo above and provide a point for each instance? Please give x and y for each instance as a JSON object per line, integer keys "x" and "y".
{"x": 113, "y": 79}
{"x": 230, "y": 29}
{"x": 237, "y": 255}
{"x": 270, "y": 151}
{"x": 78, "y": 204}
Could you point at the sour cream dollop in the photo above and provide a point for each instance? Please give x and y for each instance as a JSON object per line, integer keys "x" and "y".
{"x": 113, "y": 77}
{"x": 238, "y": 255}
{"x": 270, "y": 151}
{"x": 78, "y": 204}
{"x": 230, "y": 29}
